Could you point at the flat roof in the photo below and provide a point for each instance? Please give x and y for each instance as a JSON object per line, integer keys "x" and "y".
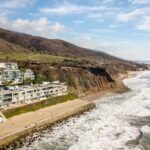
{"x": 29, "y": 87}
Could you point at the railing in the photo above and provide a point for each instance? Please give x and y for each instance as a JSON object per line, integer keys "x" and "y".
{"x": 5, "y": 98}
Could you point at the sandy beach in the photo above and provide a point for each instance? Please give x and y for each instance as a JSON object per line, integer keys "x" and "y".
{"x": 120, "y": 87}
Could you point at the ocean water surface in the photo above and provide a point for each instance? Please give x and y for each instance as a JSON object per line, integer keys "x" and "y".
{"x": 114, "y": 122}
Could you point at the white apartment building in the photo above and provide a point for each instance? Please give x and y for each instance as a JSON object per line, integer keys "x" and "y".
{"x": 9, "y": 73}
{"x": 29, "y": 74}
{"x": 12, "y": 76}
{"x": 28, "y": 94}
{"x": 8, "y": 65}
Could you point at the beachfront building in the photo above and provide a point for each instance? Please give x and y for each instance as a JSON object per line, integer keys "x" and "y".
{"x": 8, "y": 65}
{"x": 29, "y": 74}
{"x": 10, "y": 74}
{"x": 32, "y": 93}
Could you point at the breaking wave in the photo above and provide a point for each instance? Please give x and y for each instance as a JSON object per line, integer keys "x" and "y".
{"x": 107, "y": 127}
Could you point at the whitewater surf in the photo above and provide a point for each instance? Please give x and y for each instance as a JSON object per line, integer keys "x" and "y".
{"x": 114, "y": 122}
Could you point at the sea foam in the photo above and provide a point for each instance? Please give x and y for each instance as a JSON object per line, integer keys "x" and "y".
{"x": 107, "y": 127}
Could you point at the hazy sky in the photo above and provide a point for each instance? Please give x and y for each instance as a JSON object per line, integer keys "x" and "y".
{"x": 119, "y": 27}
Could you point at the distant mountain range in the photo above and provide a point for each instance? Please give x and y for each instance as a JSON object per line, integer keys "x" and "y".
{"x": 144, "y": 62}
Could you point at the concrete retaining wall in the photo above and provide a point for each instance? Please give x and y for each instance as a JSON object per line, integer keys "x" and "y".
{"x": 5, "y": 141}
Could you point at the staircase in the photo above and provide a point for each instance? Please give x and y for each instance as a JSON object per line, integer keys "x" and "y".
{"x": 2, "y": 116}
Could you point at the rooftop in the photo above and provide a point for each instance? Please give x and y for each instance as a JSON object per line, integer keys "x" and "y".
{"x": 15, "y": 89}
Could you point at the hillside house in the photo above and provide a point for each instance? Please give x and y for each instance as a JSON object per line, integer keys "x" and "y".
{"x": 9, "y": 73}
{"x": 8, "y": 65}
{"x": 29, "y": 74}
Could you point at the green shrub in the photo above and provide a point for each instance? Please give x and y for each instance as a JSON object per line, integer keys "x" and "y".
{"x": 39, "y": 105}
{"x": 39, "y": 79}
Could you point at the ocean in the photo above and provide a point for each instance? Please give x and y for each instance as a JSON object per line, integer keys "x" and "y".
{"x": 112, "y": 125}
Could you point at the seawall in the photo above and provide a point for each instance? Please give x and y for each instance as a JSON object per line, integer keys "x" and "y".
{"x": 15, "y": 134}
{"x": 32, "y": 122}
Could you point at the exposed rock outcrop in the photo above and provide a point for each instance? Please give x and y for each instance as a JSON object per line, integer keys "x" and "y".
{"x": 145, "y": 140}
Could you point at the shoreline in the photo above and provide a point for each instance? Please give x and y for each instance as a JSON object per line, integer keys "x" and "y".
{"x": 16, "y": 129}
{"x": 119, "y": 88}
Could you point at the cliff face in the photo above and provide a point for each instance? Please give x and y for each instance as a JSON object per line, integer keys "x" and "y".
{"x": 86, "y": 71}
{"x": 80, "y": 79}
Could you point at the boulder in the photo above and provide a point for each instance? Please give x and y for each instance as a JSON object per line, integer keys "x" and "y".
{"x": 145, "y": 140}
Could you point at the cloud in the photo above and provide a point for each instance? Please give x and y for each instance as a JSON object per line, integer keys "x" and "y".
{"x": 88, "y": 42}
{"x": 114, "y": 25}
{"x": 140, "y": 1}
{"x": 123, "y": 48}
{"x": 95, "y": 16}
{"x": 145, "y": 24}
{"x": 3, "y": 20}
{"x": 40, "y": 26}
{"x": 78, "y": 22}
{"x": 12, "y": 4}
{"x": 68, "y": 8}
{"x": 94, "y": 12}
{"x": 103, "y": 30}
{"x": 125, "y": 17}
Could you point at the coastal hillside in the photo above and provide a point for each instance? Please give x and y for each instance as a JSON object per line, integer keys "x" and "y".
{"x": 83, "y": 70}
{"x": 52, "y": 46}
{"x": 7, "y": 47}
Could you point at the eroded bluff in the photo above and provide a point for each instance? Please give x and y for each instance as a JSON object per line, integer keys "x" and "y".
{"x": 80, "y": 78}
